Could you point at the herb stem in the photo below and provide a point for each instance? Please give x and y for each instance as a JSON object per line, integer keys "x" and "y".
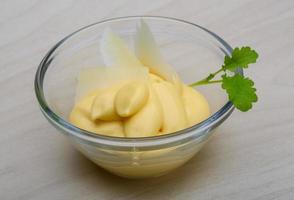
{"x": 204, "y": 82}
{"x": 207, "y": 80}
{"x": 218, "y": 71}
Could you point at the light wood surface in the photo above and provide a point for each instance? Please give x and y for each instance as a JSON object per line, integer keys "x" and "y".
{"x": 251, "y": 157}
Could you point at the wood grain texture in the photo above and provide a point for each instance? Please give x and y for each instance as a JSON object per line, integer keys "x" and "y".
{"x": 251, "y": 157}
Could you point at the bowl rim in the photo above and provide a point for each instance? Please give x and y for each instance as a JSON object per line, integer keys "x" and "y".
{"x": 195, "y": 131}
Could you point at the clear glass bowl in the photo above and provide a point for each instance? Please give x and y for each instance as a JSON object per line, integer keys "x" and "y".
{"x": 191, "y": 49}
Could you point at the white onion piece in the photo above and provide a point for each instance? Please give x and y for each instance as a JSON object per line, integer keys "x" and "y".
{"x": 149, "y": 54}
{"x": 115, "y": 51}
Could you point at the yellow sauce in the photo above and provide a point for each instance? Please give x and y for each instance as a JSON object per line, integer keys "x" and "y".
{"x": 140, "y": 109}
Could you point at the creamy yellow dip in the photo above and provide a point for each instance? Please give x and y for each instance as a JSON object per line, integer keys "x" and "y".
{"x": 140, "y": 108}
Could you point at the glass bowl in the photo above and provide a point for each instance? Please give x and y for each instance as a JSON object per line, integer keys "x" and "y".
{"x": 191, "y": 49}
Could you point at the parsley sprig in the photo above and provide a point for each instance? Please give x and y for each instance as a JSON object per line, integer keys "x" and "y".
{"x": 240, "y": 89}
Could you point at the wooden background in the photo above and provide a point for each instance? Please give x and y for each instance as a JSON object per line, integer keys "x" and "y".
{"x": 251, "y": 156}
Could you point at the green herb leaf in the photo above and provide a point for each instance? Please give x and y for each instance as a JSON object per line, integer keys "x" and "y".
{"x": 240, "y": 91}
{"x": 240, "y": 58}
